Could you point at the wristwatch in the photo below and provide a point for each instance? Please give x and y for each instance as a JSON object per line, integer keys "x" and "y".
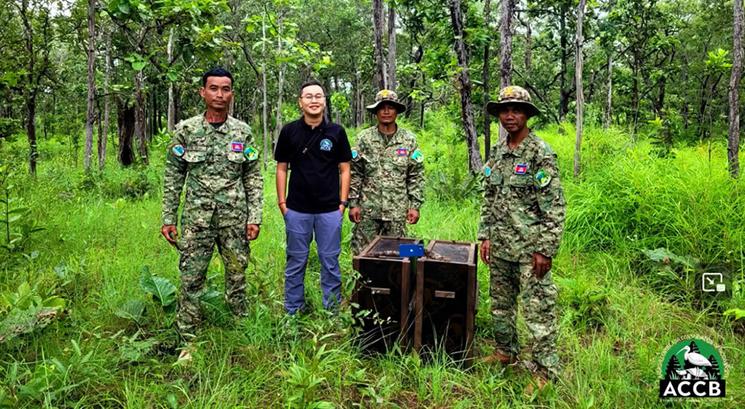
{"x": 344, "y": 203}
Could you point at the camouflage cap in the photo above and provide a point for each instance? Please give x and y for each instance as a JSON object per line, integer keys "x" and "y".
{"x": 385, "y": 95}
{"x": 513, "y": 95}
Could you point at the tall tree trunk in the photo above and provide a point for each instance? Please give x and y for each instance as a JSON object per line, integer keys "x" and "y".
{"x": 579, "y": 91}
{"x": 126, "y": 125}
{"x": 733, "y": 140}
{"x": 140, "y": 117}
{"x": 264, "y": 101}
{"x": 564, "y": 93}
{"x": 380, "y": 72}
{"x": 391, "y": 47}
{"x": 485, "y": 77}
{"x": 469, "y": 125}
{"x": 91, "y": 113}
{"x": 171, "y": 85}
{"x": 280, "y": 81}
{"x": 505, "y": 42}
{"x": 103, "y": 136}
{"x": 607, "y": 115}
{"x": 31, "y": 90}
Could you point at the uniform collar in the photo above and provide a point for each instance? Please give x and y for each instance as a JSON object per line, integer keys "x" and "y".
{"x": 389, "y": 140}
{"x": 520, "y": 149}
{"x": 224, "y": 128}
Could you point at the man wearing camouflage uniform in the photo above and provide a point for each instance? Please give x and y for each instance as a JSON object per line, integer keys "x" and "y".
{"x": 387, "y": 187}
{"x": 522, "y": 219}
{"x": 213, "y": 155}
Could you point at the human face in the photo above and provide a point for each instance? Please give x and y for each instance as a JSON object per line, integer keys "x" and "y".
{"x": 386, "y": 114}
{"x": 217, "y": 93}
{"x": 312, "y": 101}
{"x": 513, "y": 119}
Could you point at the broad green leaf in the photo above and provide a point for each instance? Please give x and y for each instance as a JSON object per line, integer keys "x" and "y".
{"x": 131, "y": 310}
{"x": 160, "y": 288}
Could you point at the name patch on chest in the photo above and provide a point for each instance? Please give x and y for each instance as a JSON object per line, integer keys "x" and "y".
{"x": 236, "y": 146}
{"x": 402, "y": 152}
{"x": 521, "y": 168}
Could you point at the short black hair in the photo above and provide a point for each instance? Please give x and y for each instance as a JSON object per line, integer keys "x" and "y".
{"x": 309, "y": 83}
{"x": 216, "y": 72}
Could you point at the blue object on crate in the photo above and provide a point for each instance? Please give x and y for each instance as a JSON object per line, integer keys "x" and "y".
{"x": 410, "y": 250}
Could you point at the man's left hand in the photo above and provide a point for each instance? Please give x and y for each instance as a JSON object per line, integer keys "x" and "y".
{"x": 412, "y": 216}
{"x": 541, "y": 265}
{"x": 252, "y": 231}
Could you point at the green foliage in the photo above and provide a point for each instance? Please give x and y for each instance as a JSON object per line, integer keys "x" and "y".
{"x": 16, "y": 221}
{"x": 159, "y": 288}
{"x": 26, "y": 310}
{"x": 8, "y": 127}
{"x": 586, "y": 305}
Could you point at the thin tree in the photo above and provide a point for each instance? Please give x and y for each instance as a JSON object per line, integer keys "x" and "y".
{"x": 505, "y": 43}
{"x": 485, "y": 78}
{"x": 140, "y": 118}
{"x": 264, "y": 100}
{"x": 578, "y": 81}
{"x": 607, "y": 115}
{"x": 171, "y": 86}
{"x": 464, "y": 79}
{"x": 104, "y": 129}
{"x": 733, "y": 140}
{"x": 280, "y": 78}
{"x": 391, "y": 47}
{"x": 37, "y": 66}
{"x": 380, "y": 72}
{"x": 91, "y": 113}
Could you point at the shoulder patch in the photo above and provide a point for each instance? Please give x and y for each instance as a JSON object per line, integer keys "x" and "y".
{"x": 251, "y": 153}
{"x": 178, "y": 150}
{"x": 487, "y": 170}
{"x": 542, "y": 178}
{"x": 417, "y": 156}
{"x": 355, "y": 154}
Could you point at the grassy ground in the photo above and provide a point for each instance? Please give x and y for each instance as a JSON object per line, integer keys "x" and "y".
{"x": 620, "y": 309}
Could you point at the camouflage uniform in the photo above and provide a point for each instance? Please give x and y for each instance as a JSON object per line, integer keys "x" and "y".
{"x": 523, "y": 213}
{"x": 223, "y": 180}
{"x": 387, "y": 181}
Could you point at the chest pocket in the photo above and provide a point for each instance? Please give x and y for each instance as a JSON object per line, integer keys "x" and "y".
{"x": 521, "y": 181}
{"x": 195, "y": 156}
{"x": 236, "y": 157}
{"x": 496, "y": 178}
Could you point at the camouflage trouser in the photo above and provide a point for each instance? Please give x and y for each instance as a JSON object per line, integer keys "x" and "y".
{"x": 197, "y": 245}
{"x": 366, "y": 230}
{"x": 538, "y": 299}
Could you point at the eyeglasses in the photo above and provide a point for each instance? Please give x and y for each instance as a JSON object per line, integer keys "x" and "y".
{"x": 311, "y": 97}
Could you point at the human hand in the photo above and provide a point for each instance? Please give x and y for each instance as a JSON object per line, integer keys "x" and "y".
{"x": 412, "y": 216}
{"x": 170, "y": 233}
{"x": 541, "y": 265}
{"x": 484, "y": 251}
{"x": 252, "y": 231}
{"x": 355, "y": 215}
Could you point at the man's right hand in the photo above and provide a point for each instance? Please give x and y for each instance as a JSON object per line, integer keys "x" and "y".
{"x": 283, "y": 209}
{"x": 355, "y": 215}
{"x": 484, "y": 251}
{"x": 170, "y": 233}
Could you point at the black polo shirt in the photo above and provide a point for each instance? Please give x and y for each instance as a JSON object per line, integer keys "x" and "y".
{"x": 314, "y": 156}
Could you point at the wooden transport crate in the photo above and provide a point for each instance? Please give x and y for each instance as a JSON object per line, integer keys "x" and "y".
{"x": 446, "y": 298}
{"x": 385, "y": 288}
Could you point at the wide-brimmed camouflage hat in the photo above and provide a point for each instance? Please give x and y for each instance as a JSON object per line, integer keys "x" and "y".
{"x": 513, "y": 95}
{"x": 386, "y": 95}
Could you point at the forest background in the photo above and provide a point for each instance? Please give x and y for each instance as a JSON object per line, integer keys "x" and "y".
{"x": 640, "y": 101}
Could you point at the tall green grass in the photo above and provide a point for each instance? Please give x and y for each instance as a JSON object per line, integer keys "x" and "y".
{"x": 616, "y": 321}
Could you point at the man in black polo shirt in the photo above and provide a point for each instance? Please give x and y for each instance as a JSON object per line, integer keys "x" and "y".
{"x": 318, "y": 155}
